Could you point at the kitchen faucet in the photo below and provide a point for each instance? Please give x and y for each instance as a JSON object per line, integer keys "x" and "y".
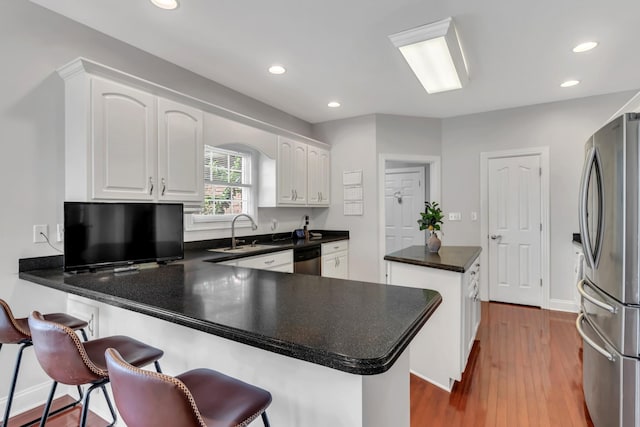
{"x": 233, "y": 228}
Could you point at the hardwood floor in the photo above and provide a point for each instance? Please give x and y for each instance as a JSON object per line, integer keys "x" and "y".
{"x": 525, "y": 370}
{"x": 70, "y": 418}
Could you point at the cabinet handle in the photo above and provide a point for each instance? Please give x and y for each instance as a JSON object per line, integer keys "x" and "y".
{"x": 270, "y": 261}
{"x": 296, "y": 193}
{"x": 293, "y": 197}
{"x": 319, "y": 196}
{"x": 164, "y": 187}
{"x": 150, "y": 186}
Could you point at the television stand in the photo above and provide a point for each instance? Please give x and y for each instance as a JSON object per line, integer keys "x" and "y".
{"x": 125, "y": 269}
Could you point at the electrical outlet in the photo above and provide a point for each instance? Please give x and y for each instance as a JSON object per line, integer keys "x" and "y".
{"x": 38, "y": 231}
{"x": 59, "y": 232}
{"x": 455, "y": 216}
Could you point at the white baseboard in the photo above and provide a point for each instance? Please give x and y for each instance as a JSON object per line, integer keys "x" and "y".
{"x": 563, "y": 305}
{"x": 31, "y": 397}
{"x": 447, "y": 389}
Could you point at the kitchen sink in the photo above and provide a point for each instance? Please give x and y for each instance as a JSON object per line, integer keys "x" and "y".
{"x": 242, "y": 249}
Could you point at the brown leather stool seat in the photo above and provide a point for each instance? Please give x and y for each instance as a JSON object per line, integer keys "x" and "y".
{"x": 69, "y": 361}
{"x": 16, "y": 331}
{"x": 201, "y": 397}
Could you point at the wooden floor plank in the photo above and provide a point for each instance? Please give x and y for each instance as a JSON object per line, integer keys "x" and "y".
{"x": 525, "y": 370}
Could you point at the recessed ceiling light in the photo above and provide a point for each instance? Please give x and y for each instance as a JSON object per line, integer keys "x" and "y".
{"x": 570, "y": 83}
{"x": 166, "y": 4}
{"x": 583, "y": 47}
{"x": 333, "y": 104}
{"x": 277, "y": 69}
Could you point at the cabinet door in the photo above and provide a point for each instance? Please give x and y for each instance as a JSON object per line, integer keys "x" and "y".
{"x": 123, "y": 143}
{"x": 180, "y": 152}
{"x": 292, "y": 172}
{"x": 336, "y": 265}
{"x": 324, "y": 173}
{"x": 313, "y": 173}
{"x": 318, "y": 176}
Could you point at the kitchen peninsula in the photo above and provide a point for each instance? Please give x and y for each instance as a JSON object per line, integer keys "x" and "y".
{"x": 331, "y": 351}
{"x": 453, "y": 271}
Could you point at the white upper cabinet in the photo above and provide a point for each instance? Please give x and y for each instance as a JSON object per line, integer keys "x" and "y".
{"x": 180, "y": 152}
{"x": 292, "y": 172}
{"x": 123, "y": 151}
{"x": 124, "y": 143}
{"x": 299, "y": 176}
{"x": 318, "y": 177}
{"x": 131, "y": 139}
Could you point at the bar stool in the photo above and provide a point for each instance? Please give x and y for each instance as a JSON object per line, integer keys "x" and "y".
{"x": 197, "y": 398}
{"x": 16, "y": 331}
{"x": 69, "y": 361}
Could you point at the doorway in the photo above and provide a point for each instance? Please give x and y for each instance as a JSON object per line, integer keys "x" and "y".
{"x": 514, "y": 230}
{"x": 404, "y": 195}
{"x": 405, "y": 182}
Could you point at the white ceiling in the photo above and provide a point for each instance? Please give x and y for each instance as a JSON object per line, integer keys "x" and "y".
{"x": 518, "y": 52}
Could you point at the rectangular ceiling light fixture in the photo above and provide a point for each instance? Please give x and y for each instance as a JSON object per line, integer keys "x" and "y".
{"x": 434, "y": 54}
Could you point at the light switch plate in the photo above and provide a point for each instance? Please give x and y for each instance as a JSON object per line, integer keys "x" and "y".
{"x": 455, "y": 216}
{"x": 474, "y": 216}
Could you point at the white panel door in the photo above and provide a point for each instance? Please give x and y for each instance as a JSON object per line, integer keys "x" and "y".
{"x": 515, "y": 230}
{"x": 180, "y": 152}
{"x": 404, "y": 200}
{"x": 123, "y": 143}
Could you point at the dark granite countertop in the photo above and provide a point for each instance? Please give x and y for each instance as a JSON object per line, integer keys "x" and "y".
{"x": 452, "y": 258}
{"x": 282, "y": 242}
{"x": 356, "y": 327}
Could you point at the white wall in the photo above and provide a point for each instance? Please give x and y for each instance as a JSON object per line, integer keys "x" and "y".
{"x": 33, "y": 43}
{"x": 563, "y": 127}
{"x": 353, "y": 144}
{"x": 408, "y": 135}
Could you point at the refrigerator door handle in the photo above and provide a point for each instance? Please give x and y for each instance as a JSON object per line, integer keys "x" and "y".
{"x": 584, "y": 192}
{"x": 593, "y": 300}
{"x": 589, "y": 341}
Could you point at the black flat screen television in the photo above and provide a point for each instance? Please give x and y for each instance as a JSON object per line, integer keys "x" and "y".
{"x": 111, "y": 234}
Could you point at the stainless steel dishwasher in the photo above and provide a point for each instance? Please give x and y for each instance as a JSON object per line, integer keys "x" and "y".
{"x": 306, "y": 260}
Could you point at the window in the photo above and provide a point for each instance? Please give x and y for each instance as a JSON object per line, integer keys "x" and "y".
{"x": 227, "y": 184}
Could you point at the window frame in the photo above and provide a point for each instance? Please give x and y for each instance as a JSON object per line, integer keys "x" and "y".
{"x": 197, "y": 221}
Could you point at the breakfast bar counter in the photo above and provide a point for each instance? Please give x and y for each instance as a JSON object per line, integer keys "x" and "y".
{"x": 331, "y": 351}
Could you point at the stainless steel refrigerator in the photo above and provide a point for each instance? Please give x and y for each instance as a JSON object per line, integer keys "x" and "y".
{"x": 610, "y": 292}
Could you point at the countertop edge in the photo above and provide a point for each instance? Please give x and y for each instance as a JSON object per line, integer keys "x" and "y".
{"x": 440, "y": 266}
{"x": 335, "y": 361}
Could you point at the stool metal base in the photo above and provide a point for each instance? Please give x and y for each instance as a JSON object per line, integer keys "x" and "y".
{"x": 12, "y": 388}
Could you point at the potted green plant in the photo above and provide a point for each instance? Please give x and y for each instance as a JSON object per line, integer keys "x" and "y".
{"x": 431, "y": 219}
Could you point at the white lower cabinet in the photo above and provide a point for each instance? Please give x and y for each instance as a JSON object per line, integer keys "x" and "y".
{"x": 277, "y": 261}
{"x": 440, "y": 351}
{"x": 335, "y": 259}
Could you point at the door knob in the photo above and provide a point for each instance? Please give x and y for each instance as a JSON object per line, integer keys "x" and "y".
{"x": 495, "y": 236}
